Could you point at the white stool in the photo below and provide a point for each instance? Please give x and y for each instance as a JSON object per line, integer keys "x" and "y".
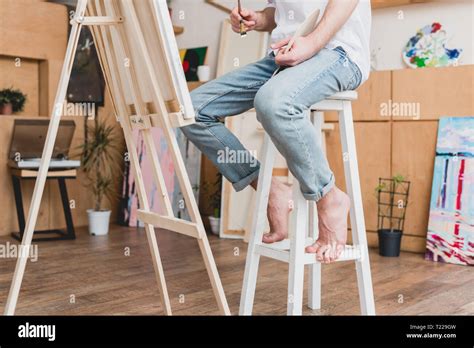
{"x": 303, "y": 224}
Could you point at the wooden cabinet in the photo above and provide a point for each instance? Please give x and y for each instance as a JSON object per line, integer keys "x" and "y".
{"x": 413, "y": 153}
{"x": 374, "y": 156}
{"x": 436, "y": 91}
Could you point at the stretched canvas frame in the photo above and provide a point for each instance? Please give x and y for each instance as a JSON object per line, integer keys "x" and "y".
{"x": 140, "y": 61}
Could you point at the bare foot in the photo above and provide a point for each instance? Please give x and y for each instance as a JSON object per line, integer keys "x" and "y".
{"x": 332, "y": 214}
{"x": 278, "y": 211}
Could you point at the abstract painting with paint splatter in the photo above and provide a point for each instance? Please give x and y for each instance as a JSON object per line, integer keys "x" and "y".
{"x": 451, "y": 223}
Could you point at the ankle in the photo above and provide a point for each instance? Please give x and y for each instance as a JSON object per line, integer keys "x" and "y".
{"x": 333, "y": 198}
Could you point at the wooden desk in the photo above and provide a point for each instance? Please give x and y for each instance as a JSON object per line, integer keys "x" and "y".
{"x": 60, "y": 175}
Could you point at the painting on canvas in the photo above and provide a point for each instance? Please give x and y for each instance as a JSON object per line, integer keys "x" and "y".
{"x": 450, "y": 236}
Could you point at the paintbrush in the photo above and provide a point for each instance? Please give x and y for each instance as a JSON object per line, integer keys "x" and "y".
{"x": 243, "y": 31}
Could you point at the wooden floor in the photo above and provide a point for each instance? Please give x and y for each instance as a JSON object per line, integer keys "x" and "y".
{"x": 93, "y": 275}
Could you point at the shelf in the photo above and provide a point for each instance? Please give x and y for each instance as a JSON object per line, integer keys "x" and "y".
{"x": 178, "y": 30}
{"x": 376, "y": 4}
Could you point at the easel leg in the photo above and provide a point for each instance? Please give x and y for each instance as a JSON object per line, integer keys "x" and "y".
{"x": 111, "y": 69}
{"x": 44, "y": 166}
{"x": 196, "y": 218}
{"x": 150, "y": 230}
{"x": 188, "y": 195}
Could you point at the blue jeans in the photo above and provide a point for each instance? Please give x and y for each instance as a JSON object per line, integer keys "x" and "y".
{"x": 282, "y": 103}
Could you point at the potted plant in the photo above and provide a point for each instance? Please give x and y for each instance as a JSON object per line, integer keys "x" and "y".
{"x": 392, "y": 198}
{"x": 215, "y": 203}
{"x": 11, "y": 101}
{"x": 101, "y": 158}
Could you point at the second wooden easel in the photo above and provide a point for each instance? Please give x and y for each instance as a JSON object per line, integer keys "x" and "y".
{"x": 142, "y": 69}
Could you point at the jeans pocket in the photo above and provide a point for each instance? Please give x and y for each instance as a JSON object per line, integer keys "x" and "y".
{"x": 356, "y": 79}
{"x": 341, "y": 51}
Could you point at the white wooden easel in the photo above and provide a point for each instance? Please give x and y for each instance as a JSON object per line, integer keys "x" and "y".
{"x": 142, "y": 69}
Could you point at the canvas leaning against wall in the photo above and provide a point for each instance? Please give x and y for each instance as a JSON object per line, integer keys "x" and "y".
{"x": 451, "y": 223}
{"x": 130, "y": 204}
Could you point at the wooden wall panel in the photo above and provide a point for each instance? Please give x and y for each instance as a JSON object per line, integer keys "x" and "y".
{"x": 49, "y": 74}
{"x": 24, "y": 77}
{"x": 33, "y": 29}
{"x": 373, "y": 148}
{"x": 375, "y": 91}
{"x": 440, "y": 91}
{"x": 36, "y": 30}
{"x": 413, "y": 152}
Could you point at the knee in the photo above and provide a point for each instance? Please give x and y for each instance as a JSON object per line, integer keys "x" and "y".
{"x": 200, "y": 103}
{"x": 271, "y": 106}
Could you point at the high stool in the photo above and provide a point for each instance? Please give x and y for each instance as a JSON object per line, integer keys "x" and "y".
{"x": 303, "y": 224}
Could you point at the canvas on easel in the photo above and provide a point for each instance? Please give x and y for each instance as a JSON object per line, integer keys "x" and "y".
{"x": 143, "y": 73}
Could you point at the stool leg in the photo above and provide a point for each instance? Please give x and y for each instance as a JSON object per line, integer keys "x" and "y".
{"x": 297, "y": 245}
{"x": 314, "y": 279}
{"x": 258, "y": 225}
{"x": 364, "y": 278}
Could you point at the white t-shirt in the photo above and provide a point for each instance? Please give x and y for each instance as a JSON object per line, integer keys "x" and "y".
{"x": 354, "y": 36}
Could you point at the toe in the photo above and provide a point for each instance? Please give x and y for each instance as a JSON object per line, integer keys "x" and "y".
{"x": 312, "y": 249}
{"x": 327, "y": 255}
{"x": 267, "y": 238}
{"x": 320, "y": 253}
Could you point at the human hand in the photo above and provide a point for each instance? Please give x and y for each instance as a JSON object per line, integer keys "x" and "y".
{"x": 301, "y": 50}
{"x": 249, "y": 18}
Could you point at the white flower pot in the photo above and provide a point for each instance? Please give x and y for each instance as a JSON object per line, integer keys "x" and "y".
{"x": 98, "y": 222}
{"x": 215, "y": 225}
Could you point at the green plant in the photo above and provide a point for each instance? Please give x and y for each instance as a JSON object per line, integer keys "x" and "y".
{"x": 13, "y": 96}
{"x": 216, "y": 197}
{"x": 397, "y": 179}
{"x": 100, "y": 156}
{"x": 215, "y": 194}
{"x": 391, "y": 208}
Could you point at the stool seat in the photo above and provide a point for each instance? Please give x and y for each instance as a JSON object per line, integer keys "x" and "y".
{"x": 346, "y": 95}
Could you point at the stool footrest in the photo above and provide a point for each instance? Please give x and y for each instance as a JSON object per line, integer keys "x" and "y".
{"x": 280, "y": 251}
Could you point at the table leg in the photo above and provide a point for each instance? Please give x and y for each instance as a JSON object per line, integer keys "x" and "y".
{"x": 67, "y": 209}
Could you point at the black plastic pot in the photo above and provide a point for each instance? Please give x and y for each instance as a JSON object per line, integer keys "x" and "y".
{"x": 389, "y": 242}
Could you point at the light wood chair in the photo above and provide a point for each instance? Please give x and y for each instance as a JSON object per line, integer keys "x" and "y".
{"x": 303, "y": 224}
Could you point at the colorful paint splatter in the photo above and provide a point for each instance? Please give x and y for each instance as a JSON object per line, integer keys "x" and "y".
{"x": 451, "y": 224}
{"x": 428, "y": 49}
{"x": 130, "y": 203}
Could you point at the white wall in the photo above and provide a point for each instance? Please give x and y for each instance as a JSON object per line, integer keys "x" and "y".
{"x": 390, "y": 34}
{"x": 202, "y": 24}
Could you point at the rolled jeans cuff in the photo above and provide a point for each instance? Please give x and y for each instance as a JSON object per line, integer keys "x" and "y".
{"x": 318, "y": 196}
{"x": 243, "y": 183}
